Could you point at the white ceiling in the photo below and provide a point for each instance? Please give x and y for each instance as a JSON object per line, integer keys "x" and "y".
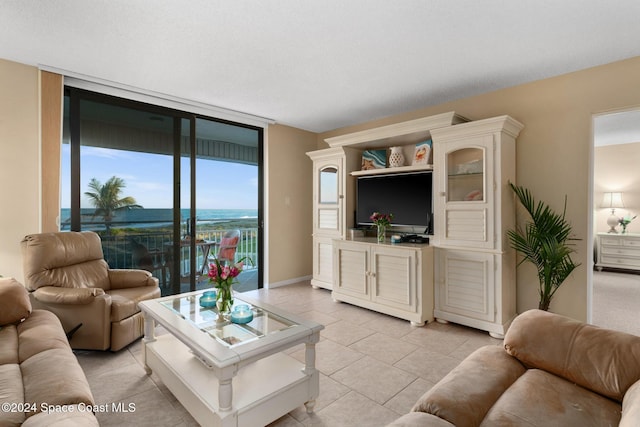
{"x": 319, "y": 65}
{"x": 622, "y": 127}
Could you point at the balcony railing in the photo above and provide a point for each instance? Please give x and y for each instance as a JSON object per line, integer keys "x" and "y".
{"x": 119, "y": 249}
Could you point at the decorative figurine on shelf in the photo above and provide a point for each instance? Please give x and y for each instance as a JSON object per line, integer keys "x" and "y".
{"x": 626, "y": 220}
{"x": 382, "y": 221}
{"x": 396, "y": 158}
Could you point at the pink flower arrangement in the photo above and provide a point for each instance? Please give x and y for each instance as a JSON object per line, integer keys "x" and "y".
{"x": 219, "y": 274}
{"x": 381, "y": 219}
{"x": 222, "y": 277}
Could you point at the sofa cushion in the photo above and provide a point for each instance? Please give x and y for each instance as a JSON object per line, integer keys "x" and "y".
{"x": 11, "y": 392}
{"x": 40, "y": 332}
{"x": 54, "y": 377}
{"x": 14, "y": 301}
{"x": 77, "y": 416}
{"x": 75, "y": 296}
{"x": 539, "y": 398}
{"x": 124, "y": 302}
{"x": 605, "y": 361}
{"x": 9, "y": 346}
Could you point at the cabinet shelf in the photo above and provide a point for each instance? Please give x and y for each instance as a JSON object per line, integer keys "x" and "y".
{"x": 465, "y": 175}
{"x": 387, "y": 171}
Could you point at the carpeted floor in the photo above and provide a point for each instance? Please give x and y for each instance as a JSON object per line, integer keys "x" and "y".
{"x": 616, "y": 301}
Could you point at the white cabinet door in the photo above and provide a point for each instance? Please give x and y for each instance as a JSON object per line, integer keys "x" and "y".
{"x": 393, "y": 277}
{"x": 328, "y": 197}
{"x": 466, "y": 284}
{"x": 322, "y": 262}
{"x": 351, "y": 275}
{"x": 464, "y": 193}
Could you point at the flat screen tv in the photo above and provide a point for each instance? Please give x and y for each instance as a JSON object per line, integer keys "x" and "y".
{"x": 408, "y": 196}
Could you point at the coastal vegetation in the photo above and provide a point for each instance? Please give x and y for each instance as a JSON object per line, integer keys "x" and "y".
{"x": 107, "y": 199}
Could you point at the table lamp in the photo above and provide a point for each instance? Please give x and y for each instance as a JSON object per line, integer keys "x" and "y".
{"x": 612, "y": 201}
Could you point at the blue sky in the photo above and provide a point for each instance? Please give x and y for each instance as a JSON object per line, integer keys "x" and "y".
{"x": 149, "y": 179}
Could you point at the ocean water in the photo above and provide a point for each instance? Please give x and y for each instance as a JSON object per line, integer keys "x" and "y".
{"x": 142, "y": 218}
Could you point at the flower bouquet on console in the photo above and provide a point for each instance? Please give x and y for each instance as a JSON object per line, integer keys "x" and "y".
{"x": 382, "y": 221}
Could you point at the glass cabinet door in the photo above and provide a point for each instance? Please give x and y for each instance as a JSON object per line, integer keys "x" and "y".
{"x": 328, "y": 203}
{"x": 328, "y": 190}
{"x": 465, "y": 175}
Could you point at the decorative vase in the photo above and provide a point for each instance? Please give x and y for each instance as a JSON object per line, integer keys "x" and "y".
{"x": 382, "y": 230}
{"x": 396, "y": 158}
{"x": 224, "y": 301}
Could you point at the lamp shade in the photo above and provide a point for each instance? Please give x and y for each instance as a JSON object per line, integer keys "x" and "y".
{"x": 612, "y": 201}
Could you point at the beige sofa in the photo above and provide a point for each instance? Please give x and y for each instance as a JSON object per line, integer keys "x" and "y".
{"x": 552, "y": 371}
{"x": 67, "y": 275}
{"x": 41, "y": 382}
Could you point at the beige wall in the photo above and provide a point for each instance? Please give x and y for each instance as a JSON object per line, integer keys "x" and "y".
{"x": 553, "y": 152}
{"x": 615, "y": 168}
{"x": 289, "y": 206}
{"x": 19, "y": 162}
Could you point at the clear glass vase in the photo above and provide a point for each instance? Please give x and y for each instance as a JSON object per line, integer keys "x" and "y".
{"x": 224, "y": 301}
{"x": 382, "y": 231}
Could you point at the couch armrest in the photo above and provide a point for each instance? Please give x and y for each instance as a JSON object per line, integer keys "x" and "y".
{"x": 631, "y": 406}
{"x": 56, "y": 295}
{"x": 124, "y": 278}
{"x": 465, "y": 395}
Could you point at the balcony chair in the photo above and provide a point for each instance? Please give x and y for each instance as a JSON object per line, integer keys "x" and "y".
{"x": 66, "y": 274}
{"x": 227, "y": 247}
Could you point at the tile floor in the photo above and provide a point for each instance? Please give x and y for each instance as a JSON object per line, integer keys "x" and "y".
{"x": 372, "y": 367}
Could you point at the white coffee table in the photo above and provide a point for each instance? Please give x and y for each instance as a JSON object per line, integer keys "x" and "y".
{"x": 227, "y": 374}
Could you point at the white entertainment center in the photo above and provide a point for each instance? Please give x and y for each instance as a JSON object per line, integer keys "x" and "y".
{"x": 466, "y": 274}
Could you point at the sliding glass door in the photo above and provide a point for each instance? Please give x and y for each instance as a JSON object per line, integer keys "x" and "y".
{"x": 163, "y": 188}
{"x": 226, "y": 196}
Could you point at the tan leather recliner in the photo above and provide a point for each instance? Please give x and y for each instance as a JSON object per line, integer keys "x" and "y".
{"x": 66, "y": 274}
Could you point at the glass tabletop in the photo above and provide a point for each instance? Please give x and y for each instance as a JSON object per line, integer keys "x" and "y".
{"x": 227, "y": 332}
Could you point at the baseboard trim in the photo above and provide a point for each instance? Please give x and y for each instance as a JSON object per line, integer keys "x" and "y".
{"x": 287, "y": 282}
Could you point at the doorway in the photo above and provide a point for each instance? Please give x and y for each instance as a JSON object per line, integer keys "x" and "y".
{"x": 615, "y": 192}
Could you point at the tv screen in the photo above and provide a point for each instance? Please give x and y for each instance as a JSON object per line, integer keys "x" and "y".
{"x": 408, "y": 196}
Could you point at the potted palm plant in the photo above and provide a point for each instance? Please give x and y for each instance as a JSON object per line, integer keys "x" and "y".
{"x": 545, "y": 242}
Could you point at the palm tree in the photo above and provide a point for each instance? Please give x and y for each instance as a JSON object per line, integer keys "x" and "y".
{"x": 107, "y": 201}
{"x": 544, "y": 243}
